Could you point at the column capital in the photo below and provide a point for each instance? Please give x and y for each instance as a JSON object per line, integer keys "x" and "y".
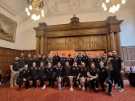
{"x": 41, "y": 29}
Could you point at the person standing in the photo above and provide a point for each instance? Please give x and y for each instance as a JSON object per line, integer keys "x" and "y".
{"x": 117, "y": 70}
{"x": 14, "y": 72}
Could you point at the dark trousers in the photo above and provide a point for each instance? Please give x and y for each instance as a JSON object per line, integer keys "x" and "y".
{"x": 93, "y": 84}
{"x": 51, "y": 81}
{"x": 109, "y": 83}
{"x": 102, "y": 81}
{"x": 117, "y": 78}
{"x": 66, "y": 81}
{"x": 120, "y": 82}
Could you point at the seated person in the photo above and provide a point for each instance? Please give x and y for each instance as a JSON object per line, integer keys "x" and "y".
{"x": 53, "y": 71}
{"x": 23, "y": 78}
{"x": 49, "y": 70}
{"x": 43, "y": 75}
{"x": 102, "y": 74}
{"x": 35, "y": 75}
{"x": 59, "y": 70}
{"x": 82, "y": 76}
{"x": 74, "y": 72}
{"x": 67, "y": 71}
{"x": 92, "y": 77}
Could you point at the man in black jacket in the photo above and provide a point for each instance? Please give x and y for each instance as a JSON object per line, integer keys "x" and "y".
{"x": 117, "y": 69}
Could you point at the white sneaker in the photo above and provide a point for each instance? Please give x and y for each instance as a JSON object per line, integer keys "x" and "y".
{"x": 71, "y": 89}
{"x": 121, "y": 90}
{"x": 83, "y": 88}
{"x": 80, "y": 86}
{"x": 116, "y": 86}
{"x": 44, "y": 87}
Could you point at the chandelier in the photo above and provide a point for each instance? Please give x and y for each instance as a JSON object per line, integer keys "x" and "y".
{"x": 35, "y": 9}
{"x": 112, "y": 6}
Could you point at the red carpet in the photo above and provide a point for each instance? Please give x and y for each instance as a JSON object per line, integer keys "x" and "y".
{"x": 7, "y": 94}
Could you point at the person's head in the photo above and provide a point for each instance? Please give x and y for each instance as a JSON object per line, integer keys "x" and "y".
{"x": 26, "y": 66}
{"x": 110, "y": 53}
{"x": 67, "y": 63}
{"x": 29, "y": 55}
{"x": 34, "y": 64}
{"x": 93, "y": 65}
{"x": 75, "y": 64}
{"x": 22, "y": 54}
{"x": 17, "y": 58}
{"x": 59, "y": 64}
{"x": 104, "y": 55}
{"x": 114, "y": 53}
{"x": 49, "y": 64}
{"x": 83, "y": 64}
{"x": 41, "y": 64}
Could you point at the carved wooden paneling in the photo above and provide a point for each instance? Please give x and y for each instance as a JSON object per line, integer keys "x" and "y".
{"x": 56, "y": 43}
{"x": 78, "y": 35}
{"x": 128, "y": 54}
{"x": 77, "y": 32}
{"x": 71, "y": 43}
{"x": 78, "y": 43}
{"x": 7, "y": 57}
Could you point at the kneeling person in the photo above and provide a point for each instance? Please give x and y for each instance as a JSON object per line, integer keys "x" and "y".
{"x": 92, "y": 77}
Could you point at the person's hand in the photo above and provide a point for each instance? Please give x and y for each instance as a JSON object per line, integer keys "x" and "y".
{"x": 91, "y": 78}
{"x": 122, "y": 72}
{"x": 24, "y": 79}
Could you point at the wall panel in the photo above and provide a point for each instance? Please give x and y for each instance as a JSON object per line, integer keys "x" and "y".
{"x": 128, "y": 55}
{"x": 7, "y": 57}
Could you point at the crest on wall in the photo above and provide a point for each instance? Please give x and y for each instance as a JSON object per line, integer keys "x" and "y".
{"x": 7, "y": 28}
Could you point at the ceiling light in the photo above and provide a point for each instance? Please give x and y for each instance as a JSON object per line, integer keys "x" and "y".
{"x": 35, "y": 9}
{"x": 112, "y": 6}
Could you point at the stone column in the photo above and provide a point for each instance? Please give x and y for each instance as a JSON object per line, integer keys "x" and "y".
{"x": 38, "y": 38}
{"x": 113, "y": 43}
{"x": 41, "y": 46}
{"x": 42, "y": 43}
{"x": 117, "y": 39}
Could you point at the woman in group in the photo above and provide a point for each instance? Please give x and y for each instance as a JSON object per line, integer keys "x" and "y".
{"x": 59, "y": 71}
{"x": 35, "y": 75}
{"x": 74, "y": 72}
{"x": 82, "y": 76}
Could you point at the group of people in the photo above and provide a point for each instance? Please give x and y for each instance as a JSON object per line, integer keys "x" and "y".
{"x": 81, "y": 71}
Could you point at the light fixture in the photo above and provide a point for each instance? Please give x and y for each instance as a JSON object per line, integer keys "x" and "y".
{"x": 35, "y": 9}
{"x": 112, "y": 6}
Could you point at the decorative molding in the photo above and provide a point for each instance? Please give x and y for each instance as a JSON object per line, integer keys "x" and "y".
{"x": 6, "y": 8}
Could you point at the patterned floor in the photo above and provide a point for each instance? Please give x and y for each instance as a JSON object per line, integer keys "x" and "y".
{"x": 50, "y": 94}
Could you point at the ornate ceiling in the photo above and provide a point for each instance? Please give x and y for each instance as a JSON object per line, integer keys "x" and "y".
{"x": 58, "y": 7}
